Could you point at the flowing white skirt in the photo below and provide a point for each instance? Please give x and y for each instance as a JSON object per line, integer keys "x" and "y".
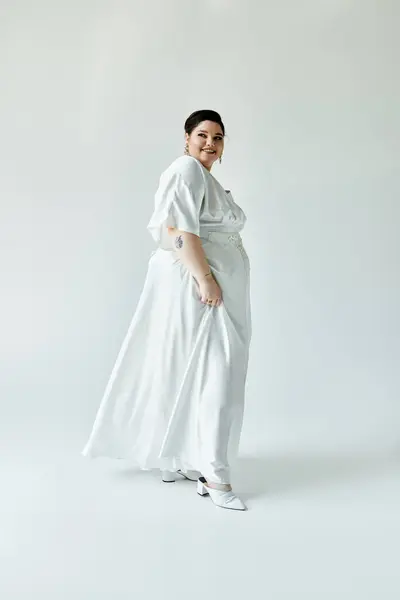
{"x": 175, "y": 397}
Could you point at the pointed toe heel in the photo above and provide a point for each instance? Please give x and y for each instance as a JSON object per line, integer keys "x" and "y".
{"x": 224, "y": 499}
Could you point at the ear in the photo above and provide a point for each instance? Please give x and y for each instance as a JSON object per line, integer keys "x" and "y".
{"x": 186, "y": 137}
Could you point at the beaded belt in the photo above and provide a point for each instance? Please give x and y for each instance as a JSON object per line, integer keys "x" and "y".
{"x": 236, "y": 240}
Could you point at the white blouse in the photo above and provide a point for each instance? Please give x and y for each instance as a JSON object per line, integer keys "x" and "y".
{"x": 189, "y": 198}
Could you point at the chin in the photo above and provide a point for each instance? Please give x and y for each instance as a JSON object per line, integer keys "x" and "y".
{"x": 208, "y": 161}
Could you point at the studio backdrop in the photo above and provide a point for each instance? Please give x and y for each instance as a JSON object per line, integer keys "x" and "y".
{"x": 93, "y": 100}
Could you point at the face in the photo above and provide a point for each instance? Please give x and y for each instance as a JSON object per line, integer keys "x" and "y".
{"x": 206, "y": 143}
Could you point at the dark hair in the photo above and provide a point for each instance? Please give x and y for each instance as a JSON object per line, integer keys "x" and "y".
{"x": 202, "y": 115}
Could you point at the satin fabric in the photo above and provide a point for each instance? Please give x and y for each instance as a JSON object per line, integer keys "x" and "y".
{"x": 175, "y": 397}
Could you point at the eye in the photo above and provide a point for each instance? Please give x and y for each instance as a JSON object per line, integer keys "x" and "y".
{"x": 202, "y": 135}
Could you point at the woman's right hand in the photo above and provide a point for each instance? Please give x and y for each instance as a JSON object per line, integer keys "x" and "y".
{"x": 210, "y": 292}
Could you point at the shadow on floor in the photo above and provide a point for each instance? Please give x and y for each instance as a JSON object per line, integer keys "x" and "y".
{"x": 273, "y": 475}
{"x": 281, "y": 474}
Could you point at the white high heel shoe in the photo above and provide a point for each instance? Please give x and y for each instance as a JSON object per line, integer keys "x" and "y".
{"x": 170, "y": 476}
{"x": 219, "y": 497}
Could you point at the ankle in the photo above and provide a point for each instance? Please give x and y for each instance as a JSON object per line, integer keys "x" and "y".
{"x": 222, "y": 487}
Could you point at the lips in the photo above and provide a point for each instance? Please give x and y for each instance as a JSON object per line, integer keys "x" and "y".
{"x": 209, "y": 151}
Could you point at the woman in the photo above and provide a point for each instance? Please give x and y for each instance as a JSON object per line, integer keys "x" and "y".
{"x": 175, "y": 397}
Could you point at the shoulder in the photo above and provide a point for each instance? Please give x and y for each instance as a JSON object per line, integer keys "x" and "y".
{"x": 186, "y": 168}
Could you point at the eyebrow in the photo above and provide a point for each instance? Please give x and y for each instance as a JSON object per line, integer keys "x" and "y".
{"x": 204, "y": 131}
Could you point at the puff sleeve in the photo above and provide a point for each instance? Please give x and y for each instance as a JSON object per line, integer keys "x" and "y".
{"x": 178, "y": 201}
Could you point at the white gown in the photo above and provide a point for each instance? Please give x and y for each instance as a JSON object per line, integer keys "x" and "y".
{"x": 175, "y": 397}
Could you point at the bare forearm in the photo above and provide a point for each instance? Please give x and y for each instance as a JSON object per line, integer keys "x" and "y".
{"x": 190, "y": 251}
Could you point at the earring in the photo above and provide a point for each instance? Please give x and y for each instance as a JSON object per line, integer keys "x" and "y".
{"x": 220, "y": 159}
{"x": 186, "y": 149}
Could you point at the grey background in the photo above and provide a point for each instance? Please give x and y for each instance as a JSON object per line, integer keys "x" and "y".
{"x": 93, "y": 99}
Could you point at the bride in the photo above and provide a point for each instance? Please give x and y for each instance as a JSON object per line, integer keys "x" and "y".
{"x": 175, "y": 397}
